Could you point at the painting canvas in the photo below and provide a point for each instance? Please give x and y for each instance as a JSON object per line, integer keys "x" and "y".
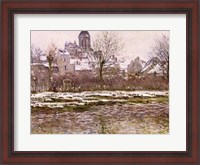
{"x": 99, "y": 82}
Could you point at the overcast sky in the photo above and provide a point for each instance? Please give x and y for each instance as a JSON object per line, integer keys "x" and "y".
{"x": 137, "y": 43}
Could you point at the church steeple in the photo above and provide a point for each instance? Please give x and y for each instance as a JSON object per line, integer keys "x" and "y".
{"x": 84, "y": 40}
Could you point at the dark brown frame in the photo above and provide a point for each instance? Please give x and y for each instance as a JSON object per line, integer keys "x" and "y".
{"x": 11, "y": 7}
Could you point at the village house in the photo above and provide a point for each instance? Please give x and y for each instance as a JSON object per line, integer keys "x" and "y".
{"x": 75, "y": 58}
{"x": 72, "y": 59}
{"x": 138, "y": 67}
{"x": 135, "y": 66}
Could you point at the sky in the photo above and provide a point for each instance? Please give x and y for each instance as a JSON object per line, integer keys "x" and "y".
{"x": 137, "y": 43}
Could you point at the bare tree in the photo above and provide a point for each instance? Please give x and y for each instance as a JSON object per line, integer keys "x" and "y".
{"x": 35, "y": 53}
{"x": 51, "y": 55}
{"x": 107, "y": 46}
{"x": 161, "y": 51}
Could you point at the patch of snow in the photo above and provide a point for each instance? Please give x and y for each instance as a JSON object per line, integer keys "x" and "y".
{"x": 43, "y": 58}
{"x": 37, "y": 100}
{"x": 155, "y": 69}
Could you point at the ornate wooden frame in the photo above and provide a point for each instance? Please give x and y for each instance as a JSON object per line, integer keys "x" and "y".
{"x": 11, "y": 7}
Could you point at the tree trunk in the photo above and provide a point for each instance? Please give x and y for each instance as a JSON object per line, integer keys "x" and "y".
{"x": 101, "y": 74}
{"x": 168, "y": 73}
{"x": 50, "y": 74}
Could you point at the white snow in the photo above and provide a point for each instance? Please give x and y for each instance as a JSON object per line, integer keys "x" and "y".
{"x": 155, "y": 69}
{"x": 70, "y": 98}
{"x": 43, "y": 58}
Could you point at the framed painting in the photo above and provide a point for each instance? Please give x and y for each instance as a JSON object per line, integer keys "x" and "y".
{"x": 100, "y": 82}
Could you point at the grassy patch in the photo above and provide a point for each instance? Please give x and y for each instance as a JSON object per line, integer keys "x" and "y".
{"x": 63, "y": 100}
{"x": 78, "y": 108}
{"x": 47, "y": 110}
{"x": 135, "y": 99}
{"x": 146, "y": 100}
{"x": 99, "y": 97}
{"x": 161, "y": 99}
{"x": 101, "y": 103}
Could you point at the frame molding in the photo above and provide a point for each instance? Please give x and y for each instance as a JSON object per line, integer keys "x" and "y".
{"x": 9, "y": 8}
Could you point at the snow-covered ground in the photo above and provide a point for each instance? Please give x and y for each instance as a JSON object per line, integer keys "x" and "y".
{"x": 100, "y": 112}
{"x": 59, "y": 100}
{"x": 100, "y": 93}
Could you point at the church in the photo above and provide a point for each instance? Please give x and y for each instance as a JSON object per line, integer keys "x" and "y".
{"x": 72, "y": 59}
{"x": 84, "y": 40}
{"x": 76, "y": 58}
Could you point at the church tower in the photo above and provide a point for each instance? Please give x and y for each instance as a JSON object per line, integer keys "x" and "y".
{"x": 84, "y": 40}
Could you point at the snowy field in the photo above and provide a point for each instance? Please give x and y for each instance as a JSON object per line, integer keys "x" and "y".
{"x": 100, "y": 112}
{"x": 53, "y": 100}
